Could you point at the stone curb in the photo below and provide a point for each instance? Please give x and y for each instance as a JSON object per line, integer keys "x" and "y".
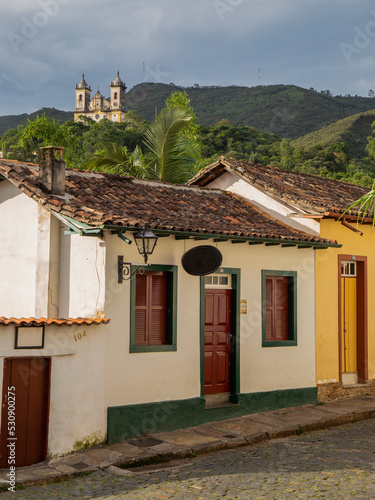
{"x": 181, "y": 451}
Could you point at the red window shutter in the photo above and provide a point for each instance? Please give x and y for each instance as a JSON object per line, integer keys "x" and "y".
{"x": 158, "y": 309}
{"x": 277, "y": 308}
{"x": 141, "y": 310}
{"x": 281, "y": 308}
{"x": 269, "y": 308}
{"x": 151, "y": 308}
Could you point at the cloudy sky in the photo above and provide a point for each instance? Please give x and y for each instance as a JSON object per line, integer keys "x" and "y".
{"x": 47, "y": 44}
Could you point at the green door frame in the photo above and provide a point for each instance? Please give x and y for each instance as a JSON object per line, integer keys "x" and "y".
{"x": 235, "y": 330}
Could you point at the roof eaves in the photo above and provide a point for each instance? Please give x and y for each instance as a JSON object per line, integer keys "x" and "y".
{"x": 314, "y": 241}
{"x": 202, "y": 175}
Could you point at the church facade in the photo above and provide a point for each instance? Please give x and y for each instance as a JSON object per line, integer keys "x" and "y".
{"x": 99, "y": 107}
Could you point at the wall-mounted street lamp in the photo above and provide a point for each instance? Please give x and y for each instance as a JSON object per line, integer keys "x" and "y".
{"x": 145, "y": 240}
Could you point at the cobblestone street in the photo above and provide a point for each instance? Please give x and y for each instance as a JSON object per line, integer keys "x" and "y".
{"x": 338, "y": 463}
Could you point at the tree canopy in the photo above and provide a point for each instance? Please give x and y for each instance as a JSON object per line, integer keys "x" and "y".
{"x": 174, "y": 146}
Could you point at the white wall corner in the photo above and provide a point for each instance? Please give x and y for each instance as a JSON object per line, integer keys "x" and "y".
{"x": 42, "y": 268}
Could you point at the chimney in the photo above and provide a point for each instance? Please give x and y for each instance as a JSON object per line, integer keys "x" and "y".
{"x": 52, "y": 170}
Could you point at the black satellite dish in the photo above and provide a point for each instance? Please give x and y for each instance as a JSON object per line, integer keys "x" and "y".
{"x": 202, "y": 260}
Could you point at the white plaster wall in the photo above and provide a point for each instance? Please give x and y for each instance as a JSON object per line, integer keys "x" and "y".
{"x": 77, "y": 399}
{"x": 77, "y": 409}
{"x": 82, "y": 276}
{"x": 280, "y": 211}
{"x": 18, "y": 246}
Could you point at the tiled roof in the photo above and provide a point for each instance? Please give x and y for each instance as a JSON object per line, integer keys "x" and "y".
{"x": 52, "y": 321}
{"x": 98, "y": 199}
{"x": 308, "y": 192}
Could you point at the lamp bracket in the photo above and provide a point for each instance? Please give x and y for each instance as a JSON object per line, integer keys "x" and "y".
{"x": 124, "y": 269}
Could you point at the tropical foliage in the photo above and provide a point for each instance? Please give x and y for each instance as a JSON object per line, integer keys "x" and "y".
{"x": 173, "y": 153}
{"x": 174, "y": 146}
{"x": 365, "y": 206}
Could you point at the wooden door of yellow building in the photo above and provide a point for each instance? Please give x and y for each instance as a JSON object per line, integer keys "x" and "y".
{"x": 349, "y": 323}
{"x": 353, "y": 322}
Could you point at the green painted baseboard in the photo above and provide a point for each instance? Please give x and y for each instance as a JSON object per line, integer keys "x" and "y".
{"x": 125, "y": 422}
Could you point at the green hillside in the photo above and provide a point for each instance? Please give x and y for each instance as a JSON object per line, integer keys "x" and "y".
{"x": 284, "y": 110}
{"x": 352, "y": 130}
{"x": 12, "y": 121}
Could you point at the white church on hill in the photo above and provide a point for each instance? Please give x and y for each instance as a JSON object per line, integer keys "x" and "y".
{"x": 99, "y": 107}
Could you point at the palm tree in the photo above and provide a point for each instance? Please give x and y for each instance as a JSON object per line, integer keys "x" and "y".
{"x": 171, "y": 154}
{"x": 366, "y": 205}
{"x": 114, "y": 159}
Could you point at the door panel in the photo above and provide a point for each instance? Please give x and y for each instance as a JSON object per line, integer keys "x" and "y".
{"x": 349, "y": 323}
{"x": 217, "y": 341}
{"x": 31, "y": 380}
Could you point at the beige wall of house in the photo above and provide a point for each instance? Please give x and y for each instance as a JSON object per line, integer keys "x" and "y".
{"x": 97, "y": 370}
{"x": 176, "y": 375}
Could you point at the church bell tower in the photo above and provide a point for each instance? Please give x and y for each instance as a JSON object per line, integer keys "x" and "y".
{"x": 83, "y": 93}
{"x": 118, "y": 89}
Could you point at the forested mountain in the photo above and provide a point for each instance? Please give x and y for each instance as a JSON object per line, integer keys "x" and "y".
{"x": 12, "y": 121}
{"x": 353, "y": 130}
{"x": 343, "y": 150}
{"x": 285, "y": 110}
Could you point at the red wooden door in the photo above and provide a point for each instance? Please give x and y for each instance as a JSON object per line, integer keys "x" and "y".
{"x": 29, "y": 381}
{"x": 217, "y": 341}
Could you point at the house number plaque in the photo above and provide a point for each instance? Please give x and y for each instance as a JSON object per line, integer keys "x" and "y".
{"x": 244, "y": 306}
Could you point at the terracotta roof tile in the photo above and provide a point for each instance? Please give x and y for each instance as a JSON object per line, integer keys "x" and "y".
{"x": 98, "y": 199}
{"x": 308, "y": 192}
{"x": 52, "y": 321}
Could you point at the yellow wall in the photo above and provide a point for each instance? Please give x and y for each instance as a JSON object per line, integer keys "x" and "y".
{"x": 327, "y": 334}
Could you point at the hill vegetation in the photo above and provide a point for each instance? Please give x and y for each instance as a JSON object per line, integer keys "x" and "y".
{"x": 353, "y": 130}
{"x": 344, "y": 150}
{"x": 285, "y": 110}
{"x": 12, "y": 121}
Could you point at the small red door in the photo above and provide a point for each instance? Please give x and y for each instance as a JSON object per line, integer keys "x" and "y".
{"x": 25, "y": 408}
{"x": 217, "y": 341}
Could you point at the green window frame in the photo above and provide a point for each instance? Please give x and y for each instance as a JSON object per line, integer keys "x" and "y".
{"x": 292, "y": 309}
{"x": 171, "y": 344}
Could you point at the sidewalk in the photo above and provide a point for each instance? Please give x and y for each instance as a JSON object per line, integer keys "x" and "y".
{"x": 205, "y": 438}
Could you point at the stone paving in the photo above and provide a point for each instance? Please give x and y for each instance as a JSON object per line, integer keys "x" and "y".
{"x": 213, "y": 436}
{"x": 338, "y": 463}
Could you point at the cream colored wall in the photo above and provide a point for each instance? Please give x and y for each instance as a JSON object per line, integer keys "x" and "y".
{"x": 327, "y": 334}
{"x": 18, "y": 252}
{"x": 273, "y": 368}
{"x": 97, "y": 371}
{"x": 149, "y": 377}
{"x": 133, "y": 378}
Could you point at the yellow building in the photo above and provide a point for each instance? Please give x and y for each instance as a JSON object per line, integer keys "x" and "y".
{"x": 99, "y": 107}
{"x": 345, "y": 293}
{"x": 344, "y": 300}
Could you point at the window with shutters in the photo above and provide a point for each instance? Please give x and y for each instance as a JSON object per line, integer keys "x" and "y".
{"x": 153, "y": 309}
{"x": 279, "y": 308}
